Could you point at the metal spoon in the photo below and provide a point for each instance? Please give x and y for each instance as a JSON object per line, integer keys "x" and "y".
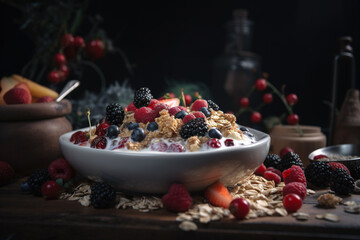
{"x": 69, "y": 87}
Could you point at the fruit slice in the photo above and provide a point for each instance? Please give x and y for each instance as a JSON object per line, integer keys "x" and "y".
{"x": 6, "y": 84}
{"x": 171, "y": 102}
{"x": 36, "y": 89}
{"x": 218, "y": 195}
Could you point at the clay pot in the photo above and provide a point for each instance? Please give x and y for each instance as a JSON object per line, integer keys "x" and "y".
{"x": 29, "y": 134}
{"x": 287, "y": 136}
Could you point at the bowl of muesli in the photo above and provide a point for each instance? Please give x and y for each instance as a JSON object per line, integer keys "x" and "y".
{"x": 152, "y": 144}
{"x": 347, "y": 154}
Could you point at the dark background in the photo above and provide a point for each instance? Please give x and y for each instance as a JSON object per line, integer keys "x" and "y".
{"x": 179, "y": 40}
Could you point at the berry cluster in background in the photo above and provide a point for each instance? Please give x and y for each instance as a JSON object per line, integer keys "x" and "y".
{"x": 262, "y": 85}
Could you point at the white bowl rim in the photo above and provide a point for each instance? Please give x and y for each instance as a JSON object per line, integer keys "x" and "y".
{"x": 264, "y": 137}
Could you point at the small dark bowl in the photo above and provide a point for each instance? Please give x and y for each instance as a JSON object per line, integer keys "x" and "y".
{"x": 342, "y": 149}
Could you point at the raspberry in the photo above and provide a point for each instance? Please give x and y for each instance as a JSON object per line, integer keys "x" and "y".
{"x": 182, "y": 108}
{"x": 159, "y": 107}
{"x": 188, "y": 117}
{"x": 159, "y": 147}
{"x": 292, "y": 202}
{"x": 145, "y": 115}
{"x": 174, "y": 110}
{"x": 239, "y": 207}
{"x": 274, "y": 170}
{"x": 153, "y": 102}
{"x": 199, "y": 115}
{"x": 295, "y": 187}
{"x": 177, "y": 199}
{"x": 60, "y": 168}
{"x": 272, "y": 176}
{"x": 199, "y": 104}
{"x": 260, "y": 170}
{"x": 294, "y": 174}
{"x": 285, "y": 150}
{"x": 336, "y": 165}
{"x": 6, "y": 172}
{"x": 214, "y": 143}
{"x": 50, "y": 190}
{"x": 131, "y": 107}
{"x": 176, "y": 147}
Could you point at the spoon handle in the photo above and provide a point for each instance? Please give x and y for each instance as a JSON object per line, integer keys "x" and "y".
{"x": 69, "y": 87}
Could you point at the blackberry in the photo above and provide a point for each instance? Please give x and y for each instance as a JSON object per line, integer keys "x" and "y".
{"x": 115, "y": 114}
{"x": 212, "y": 105}
{"x": 355, "y": 171}
{"x": 273, "y": 160}
{"x": 142, "y": 97}
{"x": 341, "y": 182}
{"x": 290, "y": 159}
{"x": 36, "y": 180}
{"x": 318, "y": 174}
{"x": 195, "y": 127}
{"x": 102, "y": 195}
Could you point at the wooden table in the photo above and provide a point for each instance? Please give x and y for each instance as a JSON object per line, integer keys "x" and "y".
{"x": 24, "y": 216}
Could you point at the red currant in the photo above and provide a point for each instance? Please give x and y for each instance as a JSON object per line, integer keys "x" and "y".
{"x": 260, "y": 84}
{"x": 292, "y": 202}
{"x": 244, "y": 102}
{"x": 292, "y": 119}
{"x": 255, "y": 117}
{"x": 67, "y": 40}
{"x": 79, "y": 42}
{"x": 50, "y": 190}
{"x": 95, "y": 49}
{"x": 285, "y": 150}
{"x": 291, "y": 99}
{"x": 53, "y": 76}
{"x": 229, "y": 142}
{"x": 239, "y": 207}
{"x": 214, "y": 143}
{"x": 59, "y": 59}
{"x": 65, "y": 70}
{"x": 267, "y": 98}
{"x": 188, "y": 99}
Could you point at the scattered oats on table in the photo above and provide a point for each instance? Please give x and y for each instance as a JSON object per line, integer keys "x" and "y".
{"x": 328, "y": 200}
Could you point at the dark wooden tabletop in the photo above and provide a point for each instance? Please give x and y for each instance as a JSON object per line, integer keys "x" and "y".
{"x": 24, "y": 216}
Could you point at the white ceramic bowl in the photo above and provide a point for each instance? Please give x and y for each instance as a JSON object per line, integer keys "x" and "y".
{"x": 139, "y": 172}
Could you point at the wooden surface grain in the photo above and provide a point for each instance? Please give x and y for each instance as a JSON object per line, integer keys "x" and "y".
{"x": 24, "y": 216}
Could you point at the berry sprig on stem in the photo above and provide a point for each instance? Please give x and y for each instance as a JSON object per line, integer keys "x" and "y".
{"x": 260, "y": 85}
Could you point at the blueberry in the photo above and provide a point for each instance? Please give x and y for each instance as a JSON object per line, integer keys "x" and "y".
{"x": 25, "y": 187}
{"x": 132, "y": 126}
{"x": 244, "y": 129}
{"x": 215, "y": 133}
{"x": 112, "y": 131}
{"x": 181, "y": 114}
{"x": 152, "y": 126}
{"x": 138, "y": 135}
{"x": 205, "y": 111}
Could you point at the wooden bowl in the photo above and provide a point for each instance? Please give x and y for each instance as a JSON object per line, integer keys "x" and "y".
{"x": 29, "y": 134}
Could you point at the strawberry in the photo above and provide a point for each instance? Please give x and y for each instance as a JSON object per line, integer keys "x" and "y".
{"x": 171, "y": 102}
{"x": 177, "y": 199}
{"x": 60, "y": 168}
{"x": 6, "y": 172}
{"x": 218, "y": 195}
{"x": 20, "y": 94}
{"x": 199, "y": 104}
